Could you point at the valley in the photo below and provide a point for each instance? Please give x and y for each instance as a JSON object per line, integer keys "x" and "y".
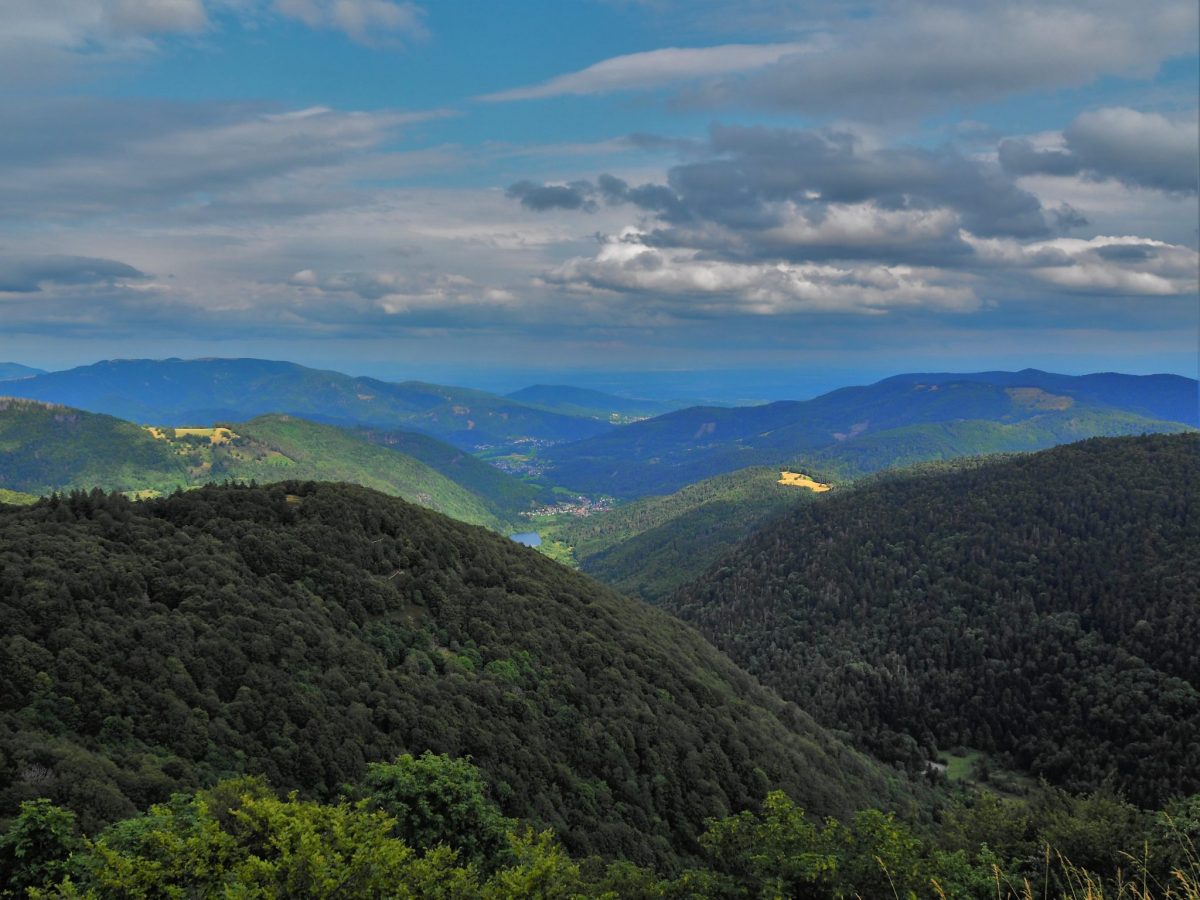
{"x": 599, "y": 450}
{"x": 893, "y": 633}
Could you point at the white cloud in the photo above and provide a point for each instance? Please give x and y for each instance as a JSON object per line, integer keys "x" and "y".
{"x": 897, "y": 58}
{"x": 852, "y": 225}
{"x": 396, "y": 293}
{"x": 364, "y": 21}
{"x": 655, "y": 68}
{"x": 157, "y": 16}
{"x": 691, "y": 284}
{"x": 188, "y": 162}
{"x": 44, "y": 41}
{"x": 1126, "y": 265}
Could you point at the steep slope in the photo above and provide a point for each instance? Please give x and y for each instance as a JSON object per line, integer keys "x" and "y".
{"x": 183, "y": 392}
{"x": 273, "y": 447}
{"x": 46, "y": 448}
{"x": 301, "y": 630}
{"x": 652, "y": 546}
{"x": 861, "y": 429}
{"x": 1041, "y": 607}
{"x": 507, "y": 495}
{"x": 576, "y": 401}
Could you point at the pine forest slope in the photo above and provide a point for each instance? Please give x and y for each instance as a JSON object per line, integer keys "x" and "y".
{"x": 1043, "y": 608}
{"x": 302, "y": 630}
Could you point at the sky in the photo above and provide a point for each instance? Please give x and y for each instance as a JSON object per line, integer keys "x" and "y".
{"x": 602, "y": 189}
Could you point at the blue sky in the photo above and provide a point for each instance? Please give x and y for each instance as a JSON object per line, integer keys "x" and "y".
{"x": 584, "y": 186}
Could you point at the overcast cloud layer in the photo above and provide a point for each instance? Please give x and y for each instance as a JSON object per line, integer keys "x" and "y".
{"x": 693, "y": 184}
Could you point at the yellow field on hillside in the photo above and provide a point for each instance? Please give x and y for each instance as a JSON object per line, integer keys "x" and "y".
{"x": 795, "y": 479}
{"x": 215, "y": 436}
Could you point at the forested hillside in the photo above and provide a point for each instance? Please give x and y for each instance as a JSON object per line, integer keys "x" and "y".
{"x": 507, "y": 495}
{"x": 857, "y": 430}
{"x": 300, "y": 631}
{"x": 1042, "y": 608}
{"x": 45, "y": 448}
{"x": 273, "y": 447}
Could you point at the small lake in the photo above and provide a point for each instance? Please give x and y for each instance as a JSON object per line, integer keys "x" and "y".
{"x": 528, "y": 538}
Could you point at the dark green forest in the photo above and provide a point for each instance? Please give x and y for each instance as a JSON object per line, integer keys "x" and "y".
{"x": 301, "y": 631}
{"x": 1042, "y": 609}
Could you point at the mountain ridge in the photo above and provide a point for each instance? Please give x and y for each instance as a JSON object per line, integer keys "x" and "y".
{"x": 50, "y": 447}
{"x": 902, "y": 418}
{"x": 183, "y": 392}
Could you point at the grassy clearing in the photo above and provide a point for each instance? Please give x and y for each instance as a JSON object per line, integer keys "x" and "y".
{"x": 217, "y": 436}
{"x": 558, "y": 551}
{"x": 798, "y": 479}
{"x": 962, "y": 766}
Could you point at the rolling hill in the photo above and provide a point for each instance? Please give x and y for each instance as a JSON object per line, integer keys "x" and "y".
{"x": 652, "y": 546}
{"x": 184, "y": 392}
{"x": 1040, "y": 608}
{"x": 302, "y": 630}
{"x": 852, "y": 431}
{"x": 46, "y": 448}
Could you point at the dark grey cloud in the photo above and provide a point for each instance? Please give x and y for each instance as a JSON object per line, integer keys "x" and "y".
{"x": 1127, "y": 252}
{"x": 778, "y": 221}
{"x": 761, "y": 193}
{"x": 1139, "y": 149}
{"x": 1067, "y": 217}
{"x": 760, "y": 165}
{"x": 29, "y": 275}
{"x": 1021, "y": 157}
{"x": 541, "y": 197}
{"x": 651, "y": 197}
